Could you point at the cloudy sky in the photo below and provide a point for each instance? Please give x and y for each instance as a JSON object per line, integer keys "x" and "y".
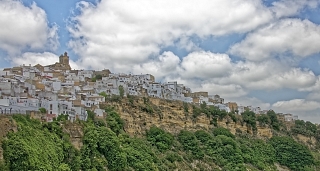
{"x": 256, "y": 52}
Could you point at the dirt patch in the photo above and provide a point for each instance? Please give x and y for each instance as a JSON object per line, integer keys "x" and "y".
{"x": 281, "y": 168}
{"x": 76, "y": 134}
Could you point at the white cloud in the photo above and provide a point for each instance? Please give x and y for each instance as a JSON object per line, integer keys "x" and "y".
{"x": 205, "y": 65}
{"x": 45, "y": 58}
{"x": 288, "y": 36}
{"x": 118, "y": 30}
{"x": 165, "y": 65}
{"x": 226, "y": 91}
{"x": 217, "y": 73}
{"x": 25, "y": 27}
{"x": 296, "y": 105}
{"x": 286, "y": 8}
{"x": 251, "y": 101}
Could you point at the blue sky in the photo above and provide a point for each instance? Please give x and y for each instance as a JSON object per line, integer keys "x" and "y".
{"x": 260, "y": 53}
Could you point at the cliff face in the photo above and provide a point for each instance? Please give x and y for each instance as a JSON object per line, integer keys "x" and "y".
{"x": 76, "y": 133}
{"x": 168, "y": 115}
{"x": 172, "y": 117}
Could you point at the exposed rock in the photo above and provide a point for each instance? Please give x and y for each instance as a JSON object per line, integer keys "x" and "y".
{"x": 76, "y": 133}
{"x": 170, "y": 116}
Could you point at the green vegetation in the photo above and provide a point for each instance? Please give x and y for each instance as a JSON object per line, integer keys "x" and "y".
{"x": 159, "y": 138}
{"x": 45, "y": 146}
{"x": 121, "y": 91}
{"x": 38, "y": 146}
{"x": 292, "y": 154}
{"x": 97, "y": 77}
{"x": 42, "y": 110}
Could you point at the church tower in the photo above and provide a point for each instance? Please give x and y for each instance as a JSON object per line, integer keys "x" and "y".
{"x": 64, "y": 59}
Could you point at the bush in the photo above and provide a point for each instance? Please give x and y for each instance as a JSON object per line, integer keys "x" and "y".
{"x": 291, "y": 154}
{"x": 222, "y": 131}
{"x": 190, "y": 144}
{"x": 159, "y": 138}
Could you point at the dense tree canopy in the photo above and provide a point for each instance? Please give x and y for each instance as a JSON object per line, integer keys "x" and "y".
{"x": 46, "y": 146}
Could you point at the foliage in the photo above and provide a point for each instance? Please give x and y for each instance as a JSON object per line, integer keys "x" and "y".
{"x": 100, "y": 140}
{"x": 222, "y": 131}
{"x": 233, "y": 116}
{"x": 32, "y": 148}
{"x": 274, "y": 120}
{"x": 62, "y": 117}
{"x": 42, "y": 110}
{"x": 304, "y": 128}
{"x": 115, "y": 98}
{"x": 291, "y": 154}
{"x": 196, "y": 111}
{"x": 185, "y": 107}
{"x": 263, "y": 120}
{"x": 249, "y": 117}
{"x": 139, "y": 154}
{"x": 90, "y": 115}
{"x": 107, "y": 147}
{"x": 98, "y": 77}
{"x": 131, "y": 99}
{"x": 190, "y": 144}
{"x": 121, "y": 91}
{"x": 258, "y": 153}
{"x": 114, "y": 122}
{"x": 104, "y": 94}
{"x": 159, "y": 138}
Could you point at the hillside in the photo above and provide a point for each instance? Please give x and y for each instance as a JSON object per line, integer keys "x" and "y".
{"x": 154, "y": 134}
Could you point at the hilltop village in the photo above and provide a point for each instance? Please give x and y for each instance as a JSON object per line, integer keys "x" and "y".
{"x": 60, "y": 90}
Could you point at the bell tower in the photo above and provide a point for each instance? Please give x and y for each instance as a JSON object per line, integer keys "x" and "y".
{"x": 64, "y": 59}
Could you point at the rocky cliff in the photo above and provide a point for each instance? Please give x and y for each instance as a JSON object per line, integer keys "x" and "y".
{"x": 171, "y": 116}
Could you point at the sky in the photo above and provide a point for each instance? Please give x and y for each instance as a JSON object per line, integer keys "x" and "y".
{"x": 262, "y": 53}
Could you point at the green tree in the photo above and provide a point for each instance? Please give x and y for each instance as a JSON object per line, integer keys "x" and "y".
{"x": 249, "y": 117}
{"x": 159, "y": 138}
{"x": 104, "y": 94}
{"x": 121, "y": 91}
{"x": 274, "y": 120}
{"x": 42, "y": 110}
{"x": 90, "y": 115}
{"x": 185, "y": 107}
{"x": 222, "y": 131}
{"x": 114, "y": 122}
{"x": 263, "y": 120}
{"x": 190, "y": 144}
{"x": 291, "y": 154}
{"x": 33, "y": 147}
{"x": 98, "y": 77}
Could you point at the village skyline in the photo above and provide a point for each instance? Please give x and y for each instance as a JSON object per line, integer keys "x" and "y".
{"x": 255, "y": 52}
{"x": 59, "y": 89}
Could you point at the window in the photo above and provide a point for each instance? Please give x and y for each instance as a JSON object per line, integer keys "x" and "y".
{"x": 51, "y": 108}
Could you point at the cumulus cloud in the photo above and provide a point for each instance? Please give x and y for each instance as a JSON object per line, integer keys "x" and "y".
{"x": 251, "y": 101}
{"x": 288, "y": 36}
{"x": 226, "y": 91}
{"x": 165, "y": 65}
{"x": 285, "y": 8}
{"x": 132, "y": 31}
{"x": 205, "y": 65}
{"x": 45, "y": 58}
{"x": 25, "y": 27}
{"x": 296, "y": 105}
